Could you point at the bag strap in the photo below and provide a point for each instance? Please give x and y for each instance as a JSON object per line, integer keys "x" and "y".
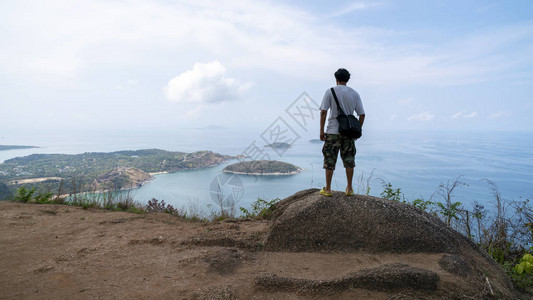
{"x": 337, "y": 101}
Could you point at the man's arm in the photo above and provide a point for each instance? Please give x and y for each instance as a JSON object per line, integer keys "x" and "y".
{"x": 323, "y": 115}
{"x": 362, "y": 119}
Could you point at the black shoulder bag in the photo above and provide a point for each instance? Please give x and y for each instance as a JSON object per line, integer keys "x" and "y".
{"x": 349, "y": 125}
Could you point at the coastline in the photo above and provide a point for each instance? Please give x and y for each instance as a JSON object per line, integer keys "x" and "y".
{"x": 157, "y": 173}
{"x": 264, "y": 174}
{"x": 16, "y": 147}
{"x": 122, "y": 189}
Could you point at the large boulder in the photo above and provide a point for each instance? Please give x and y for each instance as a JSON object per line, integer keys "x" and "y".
{"x": 310, "y": 222}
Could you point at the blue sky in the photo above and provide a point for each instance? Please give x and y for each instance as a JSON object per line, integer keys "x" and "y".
{"x": 154, "y": 65}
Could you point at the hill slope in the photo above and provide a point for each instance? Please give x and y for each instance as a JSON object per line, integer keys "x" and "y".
{"x": 96, "y": 253}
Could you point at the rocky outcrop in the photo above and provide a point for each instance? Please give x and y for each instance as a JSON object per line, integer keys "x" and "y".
{"x": 309, "y": 222}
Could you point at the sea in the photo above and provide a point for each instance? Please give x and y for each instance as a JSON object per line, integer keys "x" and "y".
{"x": 416, "y": 162}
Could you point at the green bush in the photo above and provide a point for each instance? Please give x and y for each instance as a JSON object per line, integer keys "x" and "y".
{"x": 24, "y": 195}
{"x": 525, "y": 265}
{"x": 449, "y": 212}
{"x": 422, "y": 204}
{"x": 392, "y": 194}
{"x": 43, "y": 198}
{"x": 260, "y": 209}
{"x": 29, "y": 195}
{"x": 522, "y": 273}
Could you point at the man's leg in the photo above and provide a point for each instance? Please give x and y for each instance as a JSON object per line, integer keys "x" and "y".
{"x": 348, "y": 151}
{"x": 349, "y": 177}
{"x": 330, "y": 151}
{"x": 329, "y": 176}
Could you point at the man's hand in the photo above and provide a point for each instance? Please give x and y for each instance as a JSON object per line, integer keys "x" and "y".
{"x": 322, "y": 136}
{"x": 323, "y": 115}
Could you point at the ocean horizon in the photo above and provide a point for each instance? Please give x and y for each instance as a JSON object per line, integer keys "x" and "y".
{"x": 417, "y": 162}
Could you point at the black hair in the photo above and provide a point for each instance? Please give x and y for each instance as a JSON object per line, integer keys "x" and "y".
{"x": 342, "y": 75}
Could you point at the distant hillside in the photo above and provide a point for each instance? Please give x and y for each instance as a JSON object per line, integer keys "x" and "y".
{"x": 11, "y": 147}
{"x": 262, "y": 167}
{"x": 121, "y": 169}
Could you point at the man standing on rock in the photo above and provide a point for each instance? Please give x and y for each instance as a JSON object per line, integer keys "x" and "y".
{"x": 334, "y": 142}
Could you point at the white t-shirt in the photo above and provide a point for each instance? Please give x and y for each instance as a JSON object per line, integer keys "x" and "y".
{"x": 349, "y": 100}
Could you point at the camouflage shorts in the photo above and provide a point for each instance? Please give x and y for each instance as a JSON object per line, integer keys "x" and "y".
{"x": 333, "y": 144}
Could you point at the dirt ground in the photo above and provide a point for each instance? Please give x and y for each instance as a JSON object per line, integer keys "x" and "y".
{"x": 63, "y": 252}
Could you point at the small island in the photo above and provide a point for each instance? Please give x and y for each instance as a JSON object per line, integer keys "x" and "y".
{"x": 278, "y": 145}
{"x": 15, "y": 147}
{"x": 262, "y": 167}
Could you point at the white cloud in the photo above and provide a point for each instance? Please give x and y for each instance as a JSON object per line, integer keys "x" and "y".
{"x": 458, "y": 114}
{"x": 464, "y": 114}
{"x": 423, "y": 116}
{"x": 205, "y": 83}
{"x": 61, "y": 39}
{"x": 354, "y": 7}
{"x": 499, "y": 114}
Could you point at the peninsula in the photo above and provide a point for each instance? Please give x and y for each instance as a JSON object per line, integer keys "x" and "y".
{"x": 64, "y": 173}
{"x": 13, "y": 147}
{"x": 262, "y": 167}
